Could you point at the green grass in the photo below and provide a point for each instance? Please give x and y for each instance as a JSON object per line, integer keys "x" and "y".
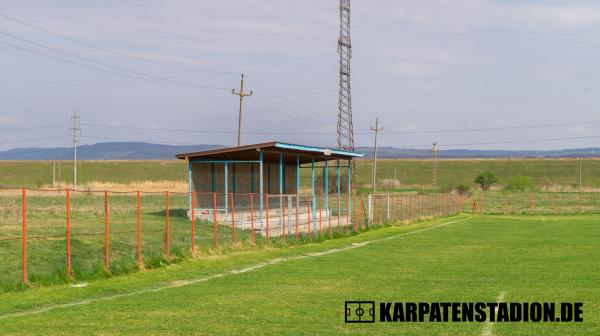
{"x": 542, "y": 258}
{"x": 39, "y": 173}
{"x": 413, "y": 173}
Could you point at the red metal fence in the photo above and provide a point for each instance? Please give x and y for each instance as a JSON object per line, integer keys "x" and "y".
{"x": 50, "y": 236}
{"x": 535, "y": 203}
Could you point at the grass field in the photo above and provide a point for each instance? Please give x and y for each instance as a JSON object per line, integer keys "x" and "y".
{"x": 410, "y": 173}
{"x": 297, "y": 291}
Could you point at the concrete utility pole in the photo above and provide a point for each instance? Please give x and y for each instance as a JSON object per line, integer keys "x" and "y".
{"x": 74, "y": 118}
{"x": 374, "y": 171}
{"x": 242, "y": 94}
{"x": 434, "y": 167}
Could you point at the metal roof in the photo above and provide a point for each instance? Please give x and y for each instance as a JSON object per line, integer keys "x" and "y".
{"x": 271, "y": 151}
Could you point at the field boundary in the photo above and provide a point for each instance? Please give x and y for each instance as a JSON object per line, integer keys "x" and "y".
{"x": 187, "y": 282}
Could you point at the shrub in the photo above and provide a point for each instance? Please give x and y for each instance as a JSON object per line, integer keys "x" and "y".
{"x": 486, "y": 179}
{"x": 463, "y": 190}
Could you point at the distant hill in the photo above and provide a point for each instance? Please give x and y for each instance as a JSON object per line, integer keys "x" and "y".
{"x": 104, "y": 151}
{"x": 149, "y": 151}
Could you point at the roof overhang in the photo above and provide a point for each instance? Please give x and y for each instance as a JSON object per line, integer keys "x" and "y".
{"x": 272, "y": 152}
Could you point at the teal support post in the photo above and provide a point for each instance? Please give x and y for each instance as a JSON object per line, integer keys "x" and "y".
{"x": 226, "y": 192}
{"x": 326, "y": 187}
{"x": 261, "y": 191}
{"x": 339, "y": 185}
{"x": 297, "y": 187}
{"x": 212, "y": 177}
{"x": 312, "y": 193}
{"x": 298, "y": 175}
{"x": 349, "y": 189}
{"x": 281, "y": 190}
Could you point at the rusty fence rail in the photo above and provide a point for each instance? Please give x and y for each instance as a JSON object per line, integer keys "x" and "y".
{"x": 55, "y": 236}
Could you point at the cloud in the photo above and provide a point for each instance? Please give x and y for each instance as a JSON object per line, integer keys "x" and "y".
{"x": 10, "y": 121}
{"x": 553, "y": 15}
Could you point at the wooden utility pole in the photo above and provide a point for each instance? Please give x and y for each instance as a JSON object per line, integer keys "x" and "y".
{"x": 242, "y": 94}
{"x": 377, "y": 129}
{"x": 74, "y": 118}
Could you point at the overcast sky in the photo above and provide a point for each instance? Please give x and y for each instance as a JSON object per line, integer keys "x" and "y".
{"x": 419, "y": 66}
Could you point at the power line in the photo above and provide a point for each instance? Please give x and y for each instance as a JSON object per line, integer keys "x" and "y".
{"x": 115, "y": 52}
{"x": 472, "y": 67}
{"x": 507, "y": 142}
{"x": 284, "y": 132}
{"x": 31, "y": 128}
{"x": 147, "y": 78}
{"x": 471, "y": 96}
{"x": 277, "y": 132}
{"x": 105, "y": 64}
{"x": 100, "y": 69}
{"x": 266, "y": 103}
{"x": 486, "y": 129}
{"x": 287, "y": 101}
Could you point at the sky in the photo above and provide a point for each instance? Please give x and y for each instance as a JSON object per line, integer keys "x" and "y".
{"x": 475, "y": 74}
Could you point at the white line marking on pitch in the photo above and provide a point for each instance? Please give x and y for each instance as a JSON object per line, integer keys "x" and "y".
{"x": 182, "y": 283}
{"x": 489, "y": 325}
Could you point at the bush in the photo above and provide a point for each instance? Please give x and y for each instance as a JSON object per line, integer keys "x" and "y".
{"x": 486, "y": 179}
{"x": 520, "y": 183}
{"x": 463, "y": 190}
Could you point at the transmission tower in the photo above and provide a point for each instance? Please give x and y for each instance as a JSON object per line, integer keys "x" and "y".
{"x": 345, "y": 130}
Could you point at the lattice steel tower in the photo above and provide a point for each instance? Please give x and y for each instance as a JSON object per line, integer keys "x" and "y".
{"x": 345, "y": 130}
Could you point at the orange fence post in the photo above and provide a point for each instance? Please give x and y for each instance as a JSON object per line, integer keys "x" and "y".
{"x": 106, "y": 240}
{"x": 216, "y": 242}
{"x": 339, "y": 213}
{"x": 267, "y": 213}
{"x": 410, "y": 215}
{"x": 167, "y": 228}
{"x": 282, "y": 217}
{"x": 530, "y": 201}
{"x": 24, "y": 236}
{"x": 361, "y": 214}
{"x": 68, "y": 232}
{"x": 297, "y": 215}
{"x": 329, "y": 219}
{"x": 309, "y": 206}
{"x": 347, "y": 210}
{"x": 193, "y": 215}
{"x": 139, "y": 231}
{"x": 231, "y": 198}
{"x": 321, "y": 215}
{"x": 252, "y": 217}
